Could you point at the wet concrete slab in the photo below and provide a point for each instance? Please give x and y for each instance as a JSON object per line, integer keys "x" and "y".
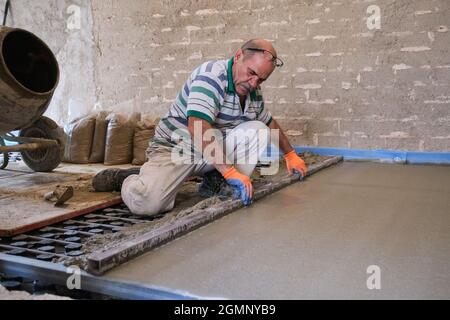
{"x": 316, "y": 240}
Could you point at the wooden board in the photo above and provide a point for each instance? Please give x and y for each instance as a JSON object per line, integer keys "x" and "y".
{"x": 22, "y": 204}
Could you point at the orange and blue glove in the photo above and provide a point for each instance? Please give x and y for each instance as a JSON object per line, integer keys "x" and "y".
{"x": 241, "y": 184}
{"x": 295, "y": 164}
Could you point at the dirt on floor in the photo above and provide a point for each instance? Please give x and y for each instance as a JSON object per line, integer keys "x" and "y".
{"x": 23, "y": 205}
{"x": 43, "y": 183}
{"x": 188, "y": 202}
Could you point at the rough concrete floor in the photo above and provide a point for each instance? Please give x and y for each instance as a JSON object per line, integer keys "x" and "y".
{"x": 316, "y": 240}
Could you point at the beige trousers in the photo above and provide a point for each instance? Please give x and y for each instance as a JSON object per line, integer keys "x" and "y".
{"x": 153, "y": 191}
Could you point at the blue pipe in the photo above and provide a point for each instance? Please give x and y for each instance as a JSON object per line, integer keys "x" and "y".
{"x": 389, "y": 156}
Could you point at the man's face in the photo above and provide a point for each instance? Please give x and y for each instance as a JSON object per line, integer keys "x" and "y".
{"x": 250, "y": 72}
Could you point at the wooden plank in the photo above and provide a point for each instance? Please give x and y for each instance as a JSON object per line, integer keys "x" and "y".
{"x": 23, "y": 208}
{"x": 55, "y": 215}
{"x": 103, "y": 260}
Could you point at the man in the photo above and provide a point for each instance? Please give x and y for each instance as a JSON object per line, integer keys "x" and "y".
{"x": 222, "y": 97}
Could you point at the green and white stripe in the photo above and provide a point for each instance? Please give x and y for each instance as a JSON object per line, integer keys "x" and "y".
{"x": 209, "y": 94}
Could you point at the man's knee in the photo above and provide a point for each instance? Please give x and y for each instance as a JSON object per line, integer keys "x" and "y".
{"x": 254, "y": 124}
{"x": 252, "y": 129}
{"x": 142, "y": 201}
{"x": 149, "y": 208}
{"x": 147, "y": 205}
{"x": 257, "y": 133}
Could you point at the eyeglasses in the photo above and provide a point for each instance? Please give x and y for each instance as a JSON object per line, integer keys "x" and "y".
{"x": 268, "y": 55}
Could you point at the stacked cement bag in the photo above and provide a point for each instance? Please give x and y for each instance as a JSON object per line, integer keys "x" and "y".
{"x": 79, "y": 134}
{"x": 119, "y": 138}
{"x": 99, "y": 139}
{"x": 144, "y": 132}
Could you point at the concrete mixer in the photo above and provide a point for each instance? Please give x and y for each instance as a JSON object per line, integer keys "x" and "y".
{"x": 29, "y": 75}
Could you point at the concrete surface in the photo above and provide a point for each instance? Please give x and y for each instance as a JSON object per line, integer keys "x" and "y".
{"x": 317, "y": 239}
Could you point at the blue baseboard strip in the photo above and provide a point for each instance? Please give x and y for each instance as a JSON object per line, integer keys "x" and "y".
{"x": 389, "y": 156}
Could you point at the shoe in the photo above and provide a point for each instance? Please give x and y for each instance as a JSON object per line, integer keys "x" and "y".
{"x": 111, "y": 179}
{"x": 214, "y": 184}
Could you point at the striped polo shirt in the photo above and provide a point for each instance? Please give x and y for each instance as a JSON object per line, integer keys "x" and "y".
{"x": 209, "y": 94}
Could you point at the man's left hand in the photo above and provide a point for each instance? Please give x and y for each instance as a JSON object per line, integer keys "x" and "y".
{"x": 295, "y": 164}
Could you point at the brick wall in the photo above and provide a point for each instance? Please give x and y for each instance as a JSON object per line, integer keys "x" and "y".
{"x": 347, "y": 81}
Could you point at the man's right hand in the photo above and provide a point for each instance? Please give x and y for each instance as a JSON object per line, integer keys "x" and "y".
{"x": 241, "y": 183}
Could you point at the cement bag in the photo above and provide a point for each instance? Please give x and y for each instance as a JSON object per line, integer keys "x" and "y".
{"x": 144, "y": 132}
{"x": 119, "y": 138}
{"x": 99, "y": 139}
{"x": 79, "y": 133}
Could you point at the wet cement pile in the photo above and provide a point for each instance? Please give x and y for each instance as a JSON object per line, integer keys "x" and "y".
{"x": 188, "y": 202}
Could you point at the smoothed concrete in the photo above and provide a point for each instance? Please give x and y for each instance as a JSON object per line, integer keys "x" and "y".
{"x": 316, "y": 240}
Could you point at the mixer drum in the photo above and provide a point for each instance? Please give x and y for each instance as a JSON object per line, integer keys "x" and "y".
{"x": 29, "y": 75}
